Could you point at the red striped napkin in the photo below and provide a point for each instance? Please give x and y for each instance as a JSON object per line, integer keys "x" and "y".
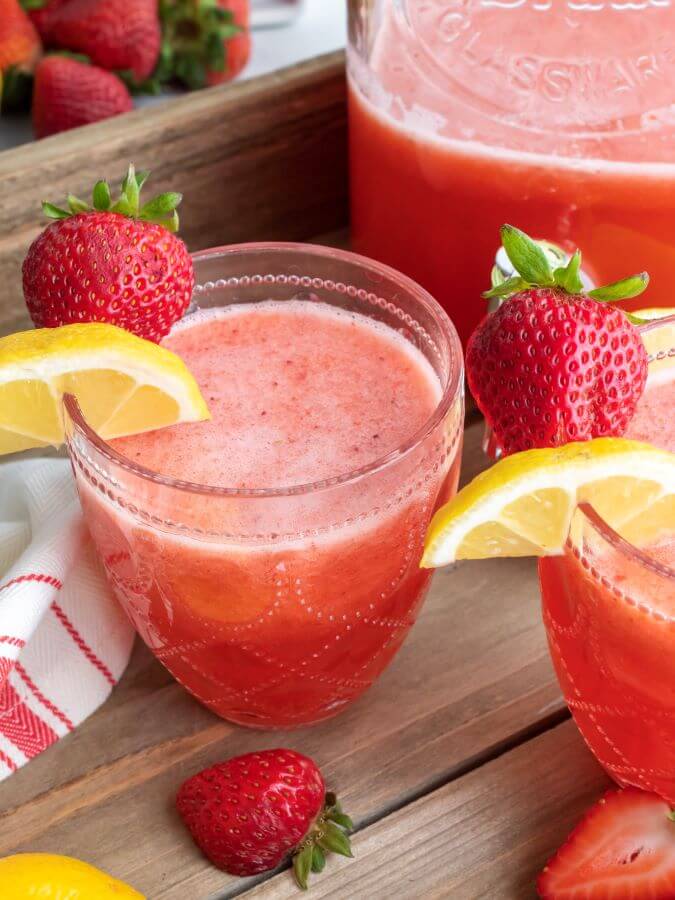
{"x": 64, "y": 642}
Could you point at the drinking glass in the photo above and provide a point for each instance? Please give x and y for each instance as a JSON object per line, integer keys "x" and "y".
{"x": 291, "y": 610}
{"x": 554, "y": 115}
{"x": 609, "y": 612}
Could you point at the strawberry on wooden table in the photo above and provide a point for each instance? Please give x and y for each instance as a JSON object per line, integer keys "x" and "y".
{"x": 623, "y": 849}
{"x": 249, "y": 814}
{"x": 68, "y": 93}
{"x": 554, "y": 364}
{"x": 111, "y": 262}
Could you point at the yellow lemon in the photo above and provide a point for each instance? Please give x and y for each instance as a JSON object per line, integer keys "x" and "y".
{"x": 124, "y": 384}
{"x": 29, "y": 876}
{"x": 523, "y": 505}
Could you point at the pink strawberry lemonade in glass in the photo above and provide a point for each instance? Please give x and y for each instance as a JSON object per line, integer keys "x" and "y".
{"x": 609, "y": 611}
{"x": 272, "y": 565}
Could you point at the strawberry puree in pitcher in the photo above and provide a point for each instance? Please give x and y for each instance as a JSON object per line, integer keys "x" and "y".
{"x": 556, "y": 116}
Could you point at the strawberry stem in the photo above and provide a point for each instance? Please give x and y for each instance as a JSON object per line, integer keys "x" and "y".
{"x": 533, "y": 269}
{"x": 162, "y": 210}
{"x": 328, "y": 835}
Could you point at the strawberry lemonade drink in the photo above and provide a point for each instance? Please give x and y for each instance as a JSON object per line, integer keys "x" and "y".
{"x": 270, "y": 556}
{"x": 609, "y": 610}
{"x": 554, "y": 115}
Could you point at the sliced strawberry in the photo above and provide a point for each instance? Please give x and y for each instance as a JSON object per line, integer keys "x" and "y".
{"x": 623, "y": 848}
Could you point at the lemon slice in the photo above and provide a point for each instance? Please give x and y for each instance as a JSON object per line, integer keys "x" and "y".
{"x": 124, "y": 384}
{"x": 50, "y": 876}
{"x": 523, "y": 505}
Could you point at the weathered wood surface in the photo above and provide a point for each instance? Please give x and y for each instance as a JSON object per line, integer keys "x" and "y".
{"x": 485, "y": 835}
{"x": 260, "y": 160}
{"x": 473, "y": 680}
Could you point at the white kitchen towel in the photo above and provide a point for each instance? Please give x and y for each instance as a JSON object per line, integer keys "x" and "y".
{"x": 64, "y": 641}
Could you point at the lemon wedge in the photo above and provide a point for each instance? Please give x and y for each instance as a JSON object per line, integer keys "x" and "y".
{"x": 523, "y": 505}
{"x": 47, "y": 875}
{"x": 124, "y": 384}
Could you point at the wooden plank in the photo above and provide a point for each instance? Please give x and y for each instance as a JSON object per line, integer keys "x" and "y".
{"x": 259, "y": 160}
{"x": 473, "y": 678}
{"x": 486, "y": 835}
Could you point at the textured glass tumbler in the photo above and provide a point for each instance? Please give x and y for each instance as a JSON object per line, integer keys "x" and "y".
{"x": 609, "y": 612}
{"x": 287, "y": 614}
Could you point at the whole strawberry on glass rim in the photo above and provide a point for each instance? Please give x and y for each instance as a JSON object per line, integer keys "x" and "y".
{"x": 252, "y": 812}
{"x": 555, "y": 364}
{"x": 117, "y": 262}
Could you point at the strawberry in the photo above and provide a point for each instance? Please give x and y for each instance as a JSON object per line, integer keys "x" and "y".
{"x": 624, "y": 847}
{"x": 116, "y": 263}
{"x": 68, "y": 93}
{"x": 19, "y": 41}
{"x": 114, "y": 34}
{"x": 554, "y": 364}
{"x": 42, "y": 14}
{"x": 204, "y": 42}
{"x": 249, "y": 814}
{"x": 237, "y": 47}
{"x": 20, "y": 45}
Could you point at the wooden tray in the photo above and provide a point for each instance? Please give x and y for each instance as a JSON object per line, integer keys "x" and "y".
{"x": 460, "y": 766}
{"x": 261, "y": 160}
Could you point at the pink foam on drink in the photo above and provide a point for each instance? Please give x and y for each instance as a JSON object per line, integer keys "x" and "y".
{"x": 298, "y": 392}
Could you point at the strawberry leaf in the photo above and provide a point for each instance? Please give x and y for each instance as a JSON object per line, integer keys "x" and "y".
{"x": 130, "y": 189}
{"x": 341, "y": 819}
{"x": 335, "y": 840}
{"x": 318, "y": 860}
{"x": 567, "y": 277}
{"x": 141, "y": 178}
{"x": 54, "y": 212}
{"x": 75, "y": 205}
{"x": 621, "y": 290}
{"x": 101, "y": 196}
{"x": 526, "y": 256}
{"x": 510, "y": 286}
{"x": 302, "y": 865}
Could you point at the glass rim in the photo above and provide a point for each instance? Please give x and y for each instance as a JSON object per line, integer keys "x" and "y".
{"x": 451, "y": 391}
{"x": 612, "y": 537}
{"x": 656, "y": 323}
{"x": 604, "y": 529}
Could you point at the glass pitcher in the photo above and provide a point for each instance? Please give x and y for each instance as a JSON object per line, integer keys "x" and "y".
{"x": 555, "y": 115}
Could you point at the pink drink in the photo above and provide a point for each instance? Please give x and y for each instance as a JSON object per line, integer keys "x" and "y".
{"x": 277, "y": 608}
{"x": 609, "y": 610}
{"x": 298, "y": 393}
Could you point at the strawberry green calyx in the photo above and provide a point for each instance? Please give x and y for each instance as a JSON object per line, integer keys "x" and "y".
{"x": 327, "y": 835}
{"x": 533, "y": 269}
{"x": 194, "y": 33}
{"x": 161, "y": 210}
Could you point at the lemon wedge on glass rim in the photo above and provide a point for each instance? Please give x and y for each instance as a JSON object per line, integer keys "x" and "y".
{"x": 523, "y": 505}
{"x": 123, "y": 383}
